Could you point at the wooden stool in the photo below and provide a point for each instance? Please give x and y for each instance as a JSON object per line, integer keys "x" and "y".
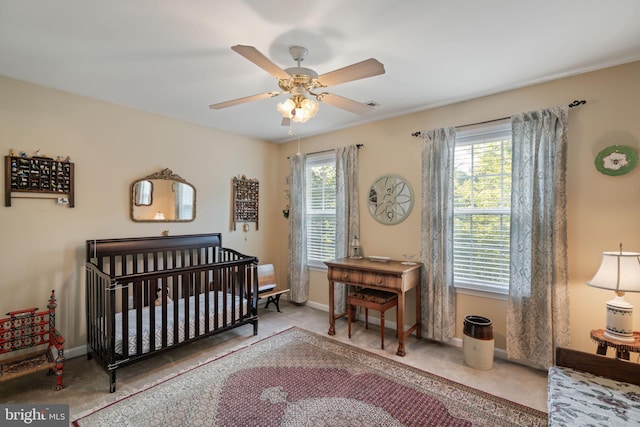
{"x": 371, "y": 298}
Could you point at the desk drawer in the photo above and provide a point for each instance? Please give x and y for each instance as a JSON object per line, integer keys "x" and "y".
{"x": 345, "y": 275}
{"x": 385, "y": 280}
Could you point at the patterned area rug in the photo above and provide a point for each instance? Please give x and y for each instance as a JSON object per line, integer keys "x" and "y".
{"x": 298, "y": 378}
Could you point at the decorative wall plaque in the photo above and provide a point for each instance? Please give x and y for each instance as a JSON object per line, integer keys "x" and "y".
{"x": 245, "y": 200}
{"x": 616, "y": 160}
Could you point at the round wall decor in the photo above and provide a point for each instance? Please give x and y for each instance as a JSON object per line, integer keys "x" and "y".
{"x": 616, "y": 160}
{"x": 390, "y": 199}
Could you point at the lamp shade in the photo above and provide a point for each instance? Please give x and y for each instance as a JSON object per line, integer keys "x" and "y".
{"x": 619, "y": 271}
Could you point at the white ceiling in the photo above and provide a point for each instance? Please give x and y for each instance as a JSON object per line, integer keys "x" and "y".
{"x": 174, "y": 58}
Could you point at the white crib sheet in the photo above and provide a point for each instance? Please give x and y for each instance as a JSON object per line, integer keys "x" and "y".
{"x": 132, "y": 338}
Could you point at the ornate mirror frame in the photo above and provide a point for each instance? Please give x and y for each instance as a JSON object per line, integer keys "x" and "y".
{"x": 390, "y": 199}
{"x": 162, "y": 197}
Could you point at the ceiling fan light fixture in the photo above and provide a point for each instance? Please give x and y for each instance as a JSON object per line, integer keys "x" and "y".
{"x": 301, "y": 82}
{"x": 286, "y": 108}
{"x": 299, "y": 109}
{"x": 308, "y": 109}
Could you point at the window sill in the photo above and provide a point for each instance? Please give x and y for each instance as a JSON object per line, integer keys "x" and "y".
{"x": 502, "y": 295}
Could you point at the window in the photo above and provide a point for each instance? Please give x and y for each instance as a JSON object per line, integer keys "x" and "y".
{"x": 321, "y": 208}
{"x": 482, "y": 209}
{"x": 184, "y": 201}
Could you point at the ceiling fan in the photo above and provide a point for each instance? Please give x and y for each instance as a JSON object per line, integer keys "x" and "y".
{"x": 300, "y": 81}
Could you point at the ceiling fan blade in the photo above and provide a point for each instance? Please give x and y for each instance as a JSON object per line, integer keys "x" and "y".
{"x": 233, "y": 102}
{"x": 368, "y": 68}
{"x": 345, "y": 103}
{"x": 254, "y": 55}
{"x": 285, "y": 121}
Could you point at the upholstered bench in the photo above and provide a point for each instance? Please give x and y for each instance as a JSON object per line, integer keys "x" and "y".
{"x": 371, "y": 298}
{"x": 267, "y": 287}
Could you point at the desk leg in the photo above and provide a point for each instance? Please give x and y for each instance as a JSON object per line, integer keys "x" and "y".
{"x": 332, "y": 317}
{"x": 400, "y": 326}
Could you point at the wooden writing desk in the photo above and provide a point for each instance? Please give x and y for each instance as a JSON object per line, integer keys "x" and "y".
{"x": 390, "y": 276}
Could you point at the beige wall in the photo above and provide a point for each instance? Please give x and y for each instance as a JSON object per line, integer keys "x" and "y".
{"x": 603, "y": 210}
{"x": 42, "y": 244}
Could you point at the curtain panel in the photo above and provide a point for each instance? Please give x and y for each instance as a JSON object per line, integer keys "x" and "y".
{"x": 437, "y": 290}
{"x": 297, "y": 273}
{"x": 538, "y": 304}
{"x": 347, "y": 212}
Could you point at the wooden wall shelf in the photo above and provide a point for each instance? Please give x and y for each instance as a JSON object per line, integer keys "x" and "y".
{"x": 41, "y": 177}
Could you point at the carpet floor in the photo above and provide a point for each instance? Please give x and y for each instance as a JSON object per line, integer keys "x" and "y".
{"x": 297, "y": 377}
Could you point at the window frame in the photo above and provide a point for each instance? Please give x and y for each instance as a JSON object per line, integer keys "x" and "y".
{"x": 477, "y": 135}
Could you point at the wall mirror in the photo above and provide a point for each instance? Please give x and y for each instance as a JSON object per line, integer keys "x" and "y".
{"x": 163, "y": 197}
{"x": 390, "y": 199}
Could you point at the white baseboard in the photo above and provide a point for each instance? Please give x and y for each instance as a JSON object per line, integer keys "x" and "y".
{"x": 70, "y": 353}
{"x": 453, "y": 342}
{"x": 321, "y": 307}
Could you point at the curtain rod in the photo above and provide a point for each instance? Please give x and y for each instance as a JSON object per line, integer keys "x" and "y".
{"x": 573, "y": 104}
{"x": 326, "y": 151}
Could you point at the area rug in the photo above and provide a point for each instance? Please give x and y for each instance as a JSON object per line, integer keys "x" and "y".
{"x": 299, "y": 378}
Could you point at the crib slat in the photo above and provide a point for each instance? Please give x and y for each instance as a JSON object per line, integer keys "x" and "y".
{"x": 152, "y": 285}
{"x": 186, "y": 294}
{"x": 207, "y": 301}
{"x": 216, "y": 296}
{"x": 195, "y": 279}
{"x": 225, "y": 293}
{"x": 164, "y": 285}
{"x": 176, "y": 292}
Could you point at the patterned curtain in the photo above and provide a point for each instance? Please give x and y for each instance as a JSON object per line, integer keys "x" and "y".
{"x": 347, "y": 212}
{"x": 538, "y": 306}
{"x": 297, "y": 274}
{"x": 437, "y": 290}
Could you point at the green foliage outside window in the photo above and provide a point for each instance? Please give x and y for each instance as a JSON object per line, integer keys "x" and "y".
{"x": 482, "y": 210}
{"x": 321, "y": 211}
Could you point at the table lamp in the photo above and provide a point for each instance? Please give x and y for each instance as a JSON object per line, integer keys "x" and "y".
{"x": 619, "y": 272}
{"x": 356, "y": 249}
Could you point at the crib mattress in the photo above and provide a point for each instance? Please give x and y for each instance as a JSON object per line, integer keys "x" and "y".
{"x": 222, "y": 313}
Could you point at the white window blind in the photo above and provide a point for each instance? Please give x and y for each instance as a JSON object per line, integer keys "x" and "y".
{"x": 321, "y": 208}
{"x": 482, "y": 208}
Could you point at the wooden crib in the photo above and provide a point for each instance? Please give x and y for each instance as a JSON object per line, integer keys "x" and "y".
{"x": 147, "y": 295}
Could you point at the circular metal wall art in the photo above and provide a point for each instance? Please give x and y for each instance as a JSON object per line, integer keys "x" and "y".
{"x": 390, "y": 199}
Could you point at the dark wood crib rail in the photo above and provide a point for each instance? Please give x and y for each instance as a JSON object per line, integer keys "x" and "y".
{"x": 616, "y": 369}
{"x": 134, "y": 275}
{"x": 119, "y": 257}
